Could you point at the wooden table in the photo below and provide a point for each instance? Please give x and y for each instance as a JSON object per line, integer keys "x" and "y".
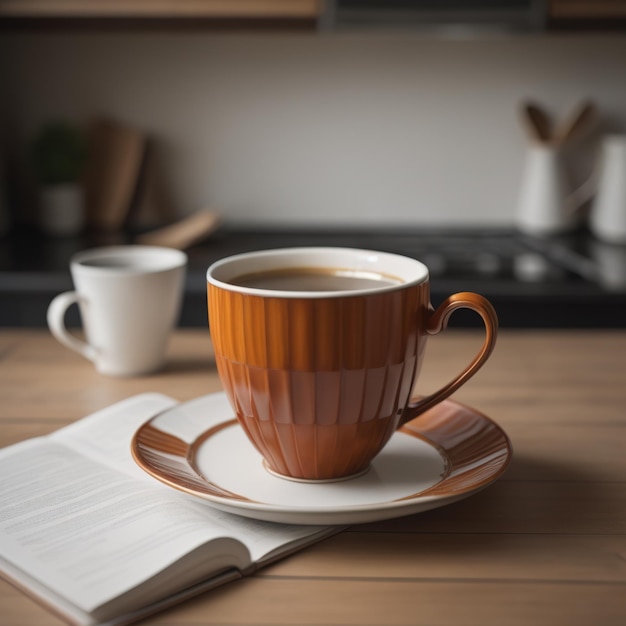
{"x": 544, "y": 545}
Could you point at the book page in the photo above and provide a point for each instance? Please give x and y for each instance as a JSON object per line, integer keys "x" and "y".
{"x": 87, "y": 532}
{"x": 105, "y": 436}
{"x": 79, "y": 516}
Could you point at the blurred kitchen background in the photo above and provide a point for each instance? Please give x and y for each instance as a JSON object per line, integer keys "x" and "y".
{"x": 275, "y": 123}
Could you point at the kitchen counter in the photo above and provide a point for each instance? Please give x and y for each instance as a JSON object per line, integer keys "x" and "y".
{"x": 544, "y": 545}
{"x": 565, "y": 282}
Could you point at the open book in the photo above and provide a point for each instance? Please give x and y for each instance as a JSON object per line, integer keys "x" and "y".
{"x": 89, "y": 534}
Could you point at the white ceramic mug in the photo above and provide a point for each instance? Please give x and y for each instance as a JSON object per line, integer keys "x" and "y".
{"x": 546, "y": 204}
{"x": 129, "y": 299}
{"x": 608, "y": 212}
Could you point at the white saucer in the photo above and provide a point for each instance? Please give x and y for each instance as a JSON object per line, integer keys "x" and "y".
{"x": 447, "y": 454}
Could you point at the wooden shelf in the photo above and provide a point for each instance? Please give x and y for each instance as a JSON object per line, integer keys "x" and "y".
{"x": 171, "y": 9}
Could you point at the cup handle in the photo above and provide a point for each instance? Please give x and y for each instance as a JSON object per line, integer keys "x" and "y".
{"x": 56, "y": 324}
{"x": 437, "y": 322}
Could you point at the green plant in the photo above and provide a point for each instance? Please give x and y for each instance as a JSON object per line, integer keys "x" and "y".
{"x": 58, "y": 154}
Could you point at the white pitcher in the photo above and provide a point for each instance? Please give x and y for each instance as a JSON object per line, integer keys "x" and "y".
{"x": 546, "y": 204}
{"x": 608, "y": 212}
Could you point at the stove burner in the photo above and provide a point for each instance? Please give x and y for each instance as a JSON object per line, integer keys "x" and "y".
{"x": 501, "y": 255}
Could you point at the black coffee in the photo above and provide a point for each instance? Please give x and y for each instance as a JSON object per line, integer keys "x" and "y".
{"x": 114, "y": 263}
{"x": 125, "y": 263}
{"x": 315, "y": 279}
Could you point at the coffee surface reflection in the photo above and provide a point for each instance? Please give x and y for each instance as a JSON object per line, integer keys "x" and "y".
{"x": 315, "y": 279}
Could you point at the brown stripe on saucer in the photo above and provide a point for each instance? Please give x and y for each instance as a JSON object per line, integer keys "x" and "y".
{"x": 476, "y": 449}
{"x": 172, "y": 461}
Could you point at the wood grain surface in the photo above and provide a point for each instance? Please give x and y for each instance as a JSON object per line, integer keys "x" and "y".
{"x": 544, "y": 545}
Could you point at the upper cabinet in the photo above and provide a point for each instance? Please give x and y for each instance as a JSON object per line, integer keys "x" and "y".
{"x": 584, "y": 14}
{"x": 174, "y": 9}
{"x": 587, "y": 9}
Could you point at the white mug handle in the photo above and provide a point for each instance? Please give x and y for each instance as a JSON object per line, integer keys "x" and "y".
{"x": 56, "y": 323}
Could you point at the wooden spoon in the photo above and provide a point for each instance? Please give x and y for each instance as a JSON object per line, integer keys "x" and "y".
{"x": 537, "y": 122}
{"x": 579, "y": 121}
{"x": 183, "y": 234}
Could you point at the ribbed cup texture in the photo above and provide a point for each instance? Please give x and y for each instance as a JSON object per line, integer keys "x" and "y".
{"x": 318, "y": 384}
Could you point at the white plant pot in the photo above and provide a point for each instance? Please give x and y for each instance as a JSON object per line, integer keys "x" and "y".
{"x": 62, "y": 209}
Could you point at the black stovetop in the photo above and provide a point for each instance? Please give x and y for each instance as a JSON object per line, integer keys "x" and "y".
{"x": 551, "y": 282}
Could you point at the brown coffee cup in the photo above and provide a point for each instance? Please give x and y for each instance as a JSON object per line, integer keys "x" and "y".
{"x": 319, "y": 349}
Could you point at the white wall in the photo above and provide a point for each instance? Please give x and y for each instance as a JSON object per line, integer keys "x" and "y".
{"x": 318, "y": 129}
